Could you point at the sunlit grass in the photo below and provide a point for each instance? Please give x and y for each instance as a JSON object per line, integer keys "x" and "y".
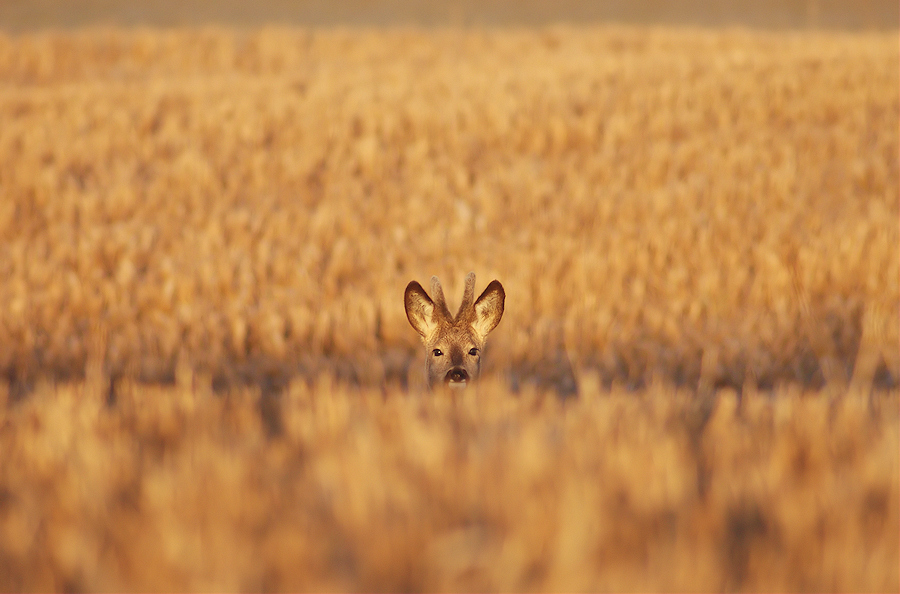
{"x": 211, "y": 383}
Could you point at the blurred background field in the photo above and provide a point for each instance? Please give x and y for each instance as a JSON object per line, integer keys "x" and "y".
{"x": 210, "y": 382}
{"x": 255, "y": 202}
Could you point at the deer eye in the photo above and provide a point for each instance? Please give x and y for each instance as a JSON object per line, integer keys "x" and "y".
{"x": 473, "y": 351}
{"x": 437, "y": 352}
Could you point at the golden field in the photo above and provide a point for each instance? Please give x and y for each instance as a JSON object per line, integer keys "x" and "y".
{"x": 178, "y": 488}
{"x": 211, "y": 382}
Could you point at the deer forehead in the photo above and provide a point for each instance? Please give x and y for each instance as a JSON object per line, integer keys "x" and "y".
{"x": 460, "y": 333}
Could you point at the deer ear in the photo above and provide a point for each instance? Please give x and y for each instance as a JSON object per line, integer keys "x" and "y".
{"x": 420, "y": 310}
{"x": 489, "y": 309}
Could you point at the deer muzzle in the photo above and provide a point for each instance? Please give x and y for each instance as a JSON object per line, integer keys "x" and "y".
{"x": 457, "y": 377}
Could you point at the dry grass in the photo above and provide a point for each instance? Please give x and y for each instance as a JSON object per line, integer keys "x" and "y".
{"x": 644, "y": 196}
{"x": 181, "y": 489}
{"x": 678, "y": 217}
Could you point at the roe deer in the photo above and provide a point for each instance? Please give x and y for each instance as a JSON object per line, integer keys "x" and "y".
{"x": 453, "y": 345}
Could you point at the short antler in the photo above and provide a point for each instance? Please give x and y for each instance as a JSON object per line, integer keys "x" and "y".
{"x": 437, "y": 294}
{"x": 468, "y": 299}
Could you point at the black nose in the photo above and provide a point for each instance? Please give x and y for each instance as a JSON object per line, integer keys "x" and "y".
{"x": 457, "y": 374}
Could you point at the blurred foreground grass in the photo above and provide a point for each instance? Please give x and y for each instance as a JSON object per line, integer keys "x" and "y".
{"x": 356, "y": 489}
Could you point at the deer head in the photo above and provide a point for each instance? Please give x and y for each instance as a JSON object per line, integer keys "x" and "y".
{"x": 453, "y": 344}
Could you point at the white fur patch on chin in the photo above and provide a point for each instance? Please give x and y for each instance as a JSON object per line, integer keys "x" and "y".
{"x": 457, "y": 385}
